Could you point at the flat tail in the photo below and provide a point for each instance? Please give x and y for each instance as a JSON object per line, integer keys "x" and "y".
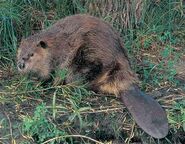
{"x": 146, "y": 111}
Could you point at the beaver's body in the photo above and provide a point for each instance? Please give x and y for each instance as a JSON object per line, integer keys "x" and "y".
{"x": 85, "y": 46}
{"x": 90, "y": 48}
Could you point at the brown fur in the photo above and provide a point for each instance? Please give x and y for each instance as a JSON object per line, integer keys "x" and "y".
{"x": 90, "y": 49}
{"x": 80, "y": 43}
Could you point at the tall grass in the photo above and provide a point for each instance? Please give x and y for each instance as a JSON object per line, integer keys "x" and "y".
{"x": 8, "y": 15}
{"x": 21, "y": 18}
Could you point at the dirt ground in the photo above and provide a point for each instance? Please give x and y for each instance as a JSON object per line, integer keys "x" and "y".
{"x": 10, "y": 122}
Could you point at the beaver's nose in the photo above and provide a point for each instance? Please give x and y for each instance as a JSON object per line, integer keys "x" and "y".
{"x": 21, "y": 65}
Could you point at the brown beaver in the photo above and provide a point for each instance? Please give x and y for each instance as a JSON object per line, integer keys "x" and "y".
{"x": 90, "y": 48}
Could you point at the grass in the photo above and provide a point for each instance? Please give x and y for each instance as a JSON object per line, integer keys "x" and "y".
{"x": 31, "y": 112}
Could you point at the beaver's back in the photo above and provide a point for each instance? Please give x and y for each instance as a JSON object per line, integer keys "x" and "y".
{"x": 95, "y": 34}
{"x": 82, "y": 28}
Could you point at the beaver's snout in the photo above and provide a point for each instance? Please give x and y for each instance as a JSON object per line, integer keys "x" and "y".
{"x": 21, "y": 65}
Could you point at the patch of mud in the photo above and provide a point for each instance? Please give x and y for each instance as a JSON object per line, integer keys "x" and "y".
{"x": 10, "y": 125}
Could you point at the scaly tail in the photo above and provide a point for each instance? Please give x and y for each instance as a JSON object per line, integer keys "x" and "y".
{"x": 146, "y": 111}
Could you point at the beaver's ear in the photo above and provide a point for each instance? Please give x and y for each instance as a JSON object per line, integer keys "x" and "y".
{"x": 147, "y": 112}
{"x": 42, "y": 44}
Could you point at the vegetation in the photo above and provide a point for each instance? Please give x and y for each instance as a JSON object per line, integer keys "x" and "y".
{"x": 31, "y": 112}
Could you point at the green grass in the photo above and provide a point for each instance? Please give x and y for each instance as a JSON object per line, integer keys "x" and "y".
{"x": 33, "y": 112}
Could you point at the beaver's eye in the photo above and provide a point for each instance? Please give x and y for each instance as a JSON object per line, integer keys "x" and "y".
{"x": 42, "y": 44}
{"x": 30, "y": 55}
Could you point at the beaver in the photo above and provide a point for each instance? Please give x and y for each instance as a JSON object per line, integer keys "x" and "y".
{"x": 90, "y": 48}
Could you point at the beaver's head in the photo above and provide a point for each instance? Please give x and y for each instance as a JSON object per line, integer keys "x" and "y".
{"x": 33, "y": 56}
